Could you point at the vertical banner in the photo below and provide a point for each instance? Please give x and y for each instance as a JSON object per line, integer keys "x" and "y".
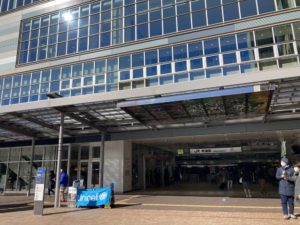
{"x": 39, "y": 191}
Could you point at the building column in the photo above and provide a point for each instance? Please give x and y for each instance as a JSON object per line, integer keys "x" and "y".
{"x": 118, "y": 165}
{"x": 58, "y": 166}
{"x": 31, "y": 165}
{"x": 102, "y": 159}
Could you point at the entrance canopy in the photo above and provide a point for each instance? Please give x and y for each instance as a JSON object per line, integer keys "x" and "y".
{"x": 216, "y": 105}
{"x": 258, "y": 103}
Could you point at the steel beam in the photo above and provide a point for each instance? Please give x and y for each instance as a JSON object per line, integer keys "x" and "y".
{"x": 39, "y": 122}
{"x": 18, "y": 129}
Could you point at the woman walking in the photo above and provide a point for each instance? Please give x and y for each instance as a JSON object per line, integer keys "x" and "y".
{"x": 286, "y": 188}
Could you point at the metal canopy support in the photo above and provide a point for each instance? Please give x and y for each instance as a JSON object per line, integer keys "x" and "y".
{"x": 38, "y": 122}
{"x": 31, "y": 165}
{"x": 60, "y": 142}
{"x": 225, "y": 105}
{"x": 185, "y": 110}
{"x": 18, "y": 129}
{"x": 102, "y": 159}
{"x": 83, "y": 120}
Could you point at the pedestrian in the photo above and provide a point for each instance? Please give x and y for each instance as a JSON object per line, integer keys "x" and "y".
{"x": 296, "y": 179}
{"x": 229, "y": 179}
{"x": 51, "y": 182}
{"x": 260, "y": 174}
{"x": 286, "y": 188}
{"x": 63, "y": 184}
{"x": 246, "y": 180}
{"x": 166, "y": 177}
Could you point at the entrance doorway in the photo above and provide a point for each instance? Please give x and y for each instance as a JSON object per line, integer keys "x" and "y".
{"x": 85, "y": 164}
{"x": 206, "y": 166}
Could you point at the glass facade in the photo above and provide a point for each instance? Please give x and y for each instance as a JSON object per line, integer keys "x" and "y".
{"x": 239, "y": 53}
{"x": 76, "y": 159}
{"x": 9, "y": 5}
{"x": 15, "y": 165}
{"x": 107, "y": 23}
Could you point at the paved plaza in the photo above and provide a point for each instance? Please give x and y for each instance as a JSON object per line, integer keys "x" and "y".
{"x": 149, "y": 209}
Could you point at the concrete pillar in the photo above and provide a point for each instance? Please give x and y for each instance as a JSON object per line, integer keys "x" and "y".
{"x": 118, "y": 165}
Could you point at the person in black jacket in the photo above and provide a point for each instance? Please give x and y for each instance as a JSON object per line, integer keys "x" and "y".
{"x": 246, "y": 180}
{"x": 51, "y": 182}
{"x": 286, "y": 188}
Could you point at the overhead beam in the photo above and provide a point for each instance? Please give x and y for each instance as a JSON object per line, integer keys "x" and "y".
{"x": 212, "y": 130}
{"x": 77, "y": 117}
{"x": 268, "y": 106}
{"x": 39, "y": 122}
{"x": 18, "y": 129}
{"x": 225, "y": 105}
{"x": 185, "y": 110}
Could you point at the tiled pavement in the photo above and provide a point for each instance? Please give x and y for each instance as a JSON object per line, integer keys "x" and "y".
{"x": 145, "y": 209}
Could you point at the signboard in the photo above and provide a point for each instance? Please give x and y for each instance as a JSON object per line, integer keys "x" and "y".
{"x": 93, "y": 197}
{"x": 195, "y": 151}
{"x": 72, "y": 194}
{"x": 180, "y": 151}
{"x": 39, "y": 191}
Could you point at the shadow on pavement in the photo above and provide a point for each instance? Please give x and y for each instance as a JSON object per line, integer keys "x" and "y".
{"x": 64, "y": 212}
{"x": 18, "y": 207}
{"x": 127, "y": 205}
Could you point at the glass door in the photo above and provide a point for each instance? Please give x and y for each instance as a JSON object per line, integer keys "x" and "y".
{"x": 95, "y": 168}
{"x": 84, "y": 162}
{"x": 83, "y": 173}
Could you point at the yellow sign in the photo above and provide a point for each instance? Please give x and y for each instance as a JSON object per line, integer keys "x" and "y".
{"x": 180, "y": 151}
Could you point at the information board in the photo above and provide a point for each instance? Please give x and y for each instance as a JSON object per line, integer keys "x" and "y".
{"x": 39, "y": 191}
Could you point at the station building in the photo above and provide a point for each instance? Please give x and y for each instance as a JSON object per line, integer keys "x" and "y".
{"x": 147, "y": 89}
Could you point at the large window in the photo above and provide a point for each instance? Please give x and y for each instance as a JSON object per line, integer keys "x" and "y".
{"x": 219, "y": 56}
{"x": 9, "y": 5}
{"x": 102, "y": 24}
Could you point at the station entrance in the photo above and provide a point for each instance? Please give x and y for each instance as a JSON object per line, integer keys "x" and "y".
{"x": 211, "y": 165}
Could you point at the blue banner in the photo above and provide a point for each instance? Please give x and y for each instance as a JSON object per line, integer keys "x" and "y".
{"x": 93, "y": 197}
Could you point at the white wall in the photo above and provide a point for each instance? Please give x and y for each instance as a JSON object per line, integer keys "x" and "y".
{"x": 118, "y": 165}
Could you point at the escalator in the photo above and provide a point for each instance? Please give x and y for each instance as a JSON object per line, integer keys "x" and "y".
{"x": 16, "y": 180}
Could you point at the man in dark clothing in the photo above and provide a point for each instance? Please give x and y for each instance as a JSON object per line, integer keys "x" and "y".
{"x": 286, "y": 188}
{"x": 260, "y": 175}
{"x": 51, "y": 182}
{"x": 246, "y": 180}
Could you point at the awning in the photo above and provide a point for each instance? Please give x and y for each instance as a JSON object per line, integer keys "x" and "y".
{"x": 225, "y": 104}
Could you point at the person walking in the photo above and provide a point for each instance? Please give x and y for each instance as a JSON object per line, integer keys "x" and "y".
{"x": 286, "y": 188}
{"x": 260, "y": 174}
{"x": 51, "y": 182}
{"x": 63, "y": 184}
{"x": 296, "y": 179}
{"x": 229, "y": 179}
{"x": 246, "y": 180}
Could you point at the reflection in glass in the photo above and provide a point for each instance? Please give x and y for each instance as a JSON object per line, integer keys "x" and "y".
{"x": 266, "y": 52}
{"x": 264, "y": 37}
{"x": 283, "y": 33}
{"x": 284, "y": 4}
{"x": 286, "y": 49}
